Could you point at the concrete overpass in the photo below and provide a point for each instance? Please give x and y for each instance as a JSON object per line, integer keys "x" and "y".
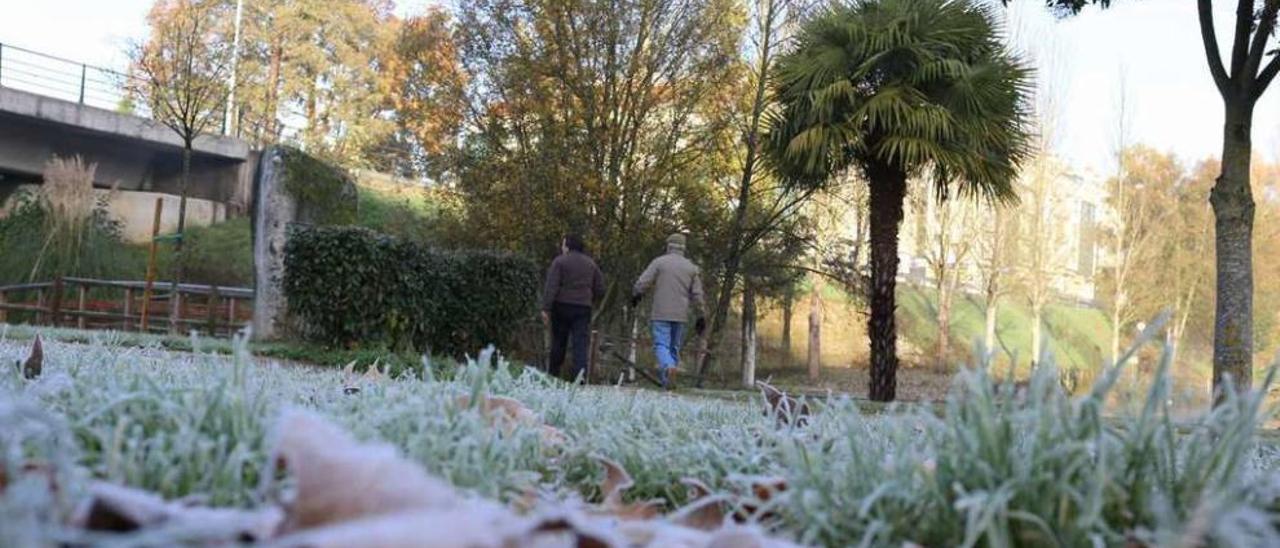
{"x": 132, "y": 153}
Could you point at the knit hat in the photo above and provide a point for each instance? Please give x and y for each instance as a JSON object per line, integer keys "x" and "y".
{"x": 676, "y": 240}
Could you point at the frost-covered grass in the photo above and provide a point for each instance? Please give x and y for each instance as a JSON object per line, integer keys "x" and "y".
{"x": 990, "y": 470}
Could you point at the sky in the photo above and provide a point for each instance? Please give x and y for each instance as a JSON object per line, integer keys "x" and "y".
{"x": 1149, "y": 48}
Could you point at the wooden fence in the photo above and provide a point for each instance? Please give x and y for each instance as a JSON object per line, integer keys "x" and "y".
{"x": 108, "y": 304}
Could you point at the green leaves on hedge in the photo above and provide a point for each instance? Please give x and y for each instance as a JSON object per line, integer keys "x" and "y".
{"x": 350, "y": 286}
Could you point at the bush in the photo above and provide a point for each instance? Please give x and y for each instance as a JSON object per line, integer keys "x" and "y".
{"x": 354, "y": 287}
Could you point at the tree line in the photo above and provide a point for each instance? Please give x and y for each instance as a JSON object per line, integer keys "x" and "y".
{"x": 724, "y": 119}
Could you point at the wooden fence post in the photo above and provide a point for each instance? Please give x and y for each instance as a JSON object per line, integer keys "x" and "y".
{"x": 55, "y": 307}
{"x": 4, "y": 313}
{"x": 210, "y": 313}
{"x": 83, "y": 296}
{"x": 231, "y": 315}
{"x": 151, "y": 265}
{"x": 128, "y": 308}
{"x": 593, "y": 357}
{"x": 41, "y": 299}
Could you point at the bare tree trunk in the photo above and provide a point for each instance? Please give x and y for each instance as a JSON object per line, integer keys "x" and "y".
{"x": 888, "y": 190}
{"x": 1115, "y": 333}
{"x": 944, "y": 324}
{"x": 1037, "y": 334}
{"x": 1233, "y": 209}
{"x": 788, "y": 309}
{"x": 815, "y": 335}
{"x": 175, "y": 301}
{"x": 989, "y": 338}
{"x": 748, "y": 336}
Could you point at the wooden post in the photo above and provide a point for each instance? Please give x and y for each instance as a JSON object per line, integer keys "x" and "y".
{"x": 151, "y": 265}
{"x": 593, "y": 356}
{"x": 55, "y": 307}
{"x": 231, "y": 315}
{"x": 84, "y": 294}
{"x": 4, "y": 314}
{"x": 128, "y": 307}
{"x": 211, "y": 308}
{"x": 175, "y": 310}
{"x": 40, "y": 300}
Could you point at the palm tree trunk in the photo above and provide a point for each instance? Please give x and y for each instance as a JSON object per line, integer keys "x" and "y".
{"x": 888, "y": 191}
{"x": 1233, "y": 208}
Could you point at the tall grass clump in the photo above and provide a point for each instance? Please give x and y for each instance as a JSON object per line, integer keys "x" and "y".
{"x": 1038, "y": 468}
{"x": 62, "y": 229}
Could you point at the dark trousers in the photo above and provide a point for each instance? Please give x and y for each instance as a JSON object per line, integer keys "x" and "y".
{"x": 569, "y": 321}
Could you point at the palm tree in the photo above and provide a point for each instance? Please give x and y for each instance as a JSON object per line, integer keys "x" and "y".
{"x": 900, "y": 89}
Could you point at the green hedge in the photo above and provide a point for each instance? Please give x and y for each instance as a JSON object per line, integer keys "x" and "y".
{"x": 353, "y": 287}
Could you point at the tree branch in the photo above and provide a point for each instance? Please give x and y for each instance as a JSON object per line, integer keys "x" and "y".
{"x": 1240, "y": 44}
{"x": 1266, "y": 25}
{"x": 1210, "y": 38}
{"x": 1264, "y": 79}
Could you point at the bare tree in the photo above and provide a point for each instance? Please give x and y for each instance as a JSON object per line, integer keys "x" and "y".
{"x": 182, "y": 73}
{"x": 949, "y": 226}
{"x": 771, "y": 22}
{"x": 993, "y": 262}
{"x": 1041, "y": 239}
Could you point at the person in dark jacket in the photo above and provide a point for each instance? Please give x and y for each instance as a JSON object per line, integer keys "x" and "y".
{"x": 574, "y": 284}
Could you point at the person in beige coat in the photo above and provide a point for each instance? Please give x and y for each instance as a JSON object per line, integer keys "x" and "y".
{"x": 676, "y": 284}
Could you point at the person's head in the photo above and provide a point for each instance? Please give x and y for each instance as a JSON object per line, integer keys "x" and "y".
{"x": 675, "y": 242}
{"x": 572, "y": 242}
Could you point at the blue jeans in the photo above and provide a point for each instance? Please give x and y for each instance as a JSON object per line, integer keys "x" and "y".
{"x": 667, "y": 337}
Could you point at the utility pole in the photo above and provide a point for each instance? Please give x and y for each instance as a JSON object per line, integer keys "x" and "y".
{"x": 227, "y": 120}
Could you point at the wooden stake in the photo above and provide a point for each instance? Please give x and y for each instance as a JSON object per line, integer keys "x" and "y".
{"x": 84, "y": 293}
{"x": 151, "y": 264}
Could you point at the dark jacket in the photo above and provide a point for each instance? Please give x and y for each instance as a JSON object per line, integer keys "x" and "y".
{"x": 573, "y": 279}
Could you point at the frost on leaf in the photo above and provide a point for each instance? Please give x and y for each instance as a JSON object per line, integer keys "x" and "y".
{"x": 508, "y": 414}
{"x": 338, "y": 479}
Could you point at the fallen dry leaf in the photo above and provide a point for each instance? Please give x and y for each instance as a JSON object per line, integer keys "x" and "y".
{"x": 35, "y": 362}
{"x": 786, "y": 409}
{"x": 113, "y": 508}
{"x": 339, "y": 479}
{"x": 509, "y": 414}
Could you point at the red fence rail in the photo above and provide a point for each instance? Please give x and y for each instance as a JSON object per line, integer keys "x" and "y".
{"x": 113, "y": 304}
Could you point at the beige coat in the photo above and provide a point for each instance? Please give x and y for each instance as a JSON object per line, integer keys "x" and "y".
{"x": 676, "y": 284}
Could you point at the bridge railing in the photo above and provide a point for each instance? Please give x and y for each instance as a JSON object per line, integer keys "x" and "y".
{"x": 52, "y": 76}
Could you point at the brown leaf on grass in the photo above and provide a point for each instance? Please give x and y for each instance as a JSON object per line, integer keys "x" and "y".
{"x": 339, "y": 479}
{"x": 122, "y": 509}
{"x": 616, "y": 482}
{"x": 45, "y": 471}
{"x": 35, "y": 362}
{"x": 763, "y": 490}
{"x": 509, "y": 414}
{"x": 786, "y": 409}
{"x": 705, "y": 511}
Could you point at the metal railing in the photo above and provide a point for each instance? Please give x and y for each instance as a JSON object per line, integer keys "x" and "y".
{"x": 60, "y": 78}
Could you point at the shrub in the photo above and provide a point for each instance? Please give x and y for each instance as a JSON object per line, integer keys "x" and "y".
{"x": 352, "y": 286}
